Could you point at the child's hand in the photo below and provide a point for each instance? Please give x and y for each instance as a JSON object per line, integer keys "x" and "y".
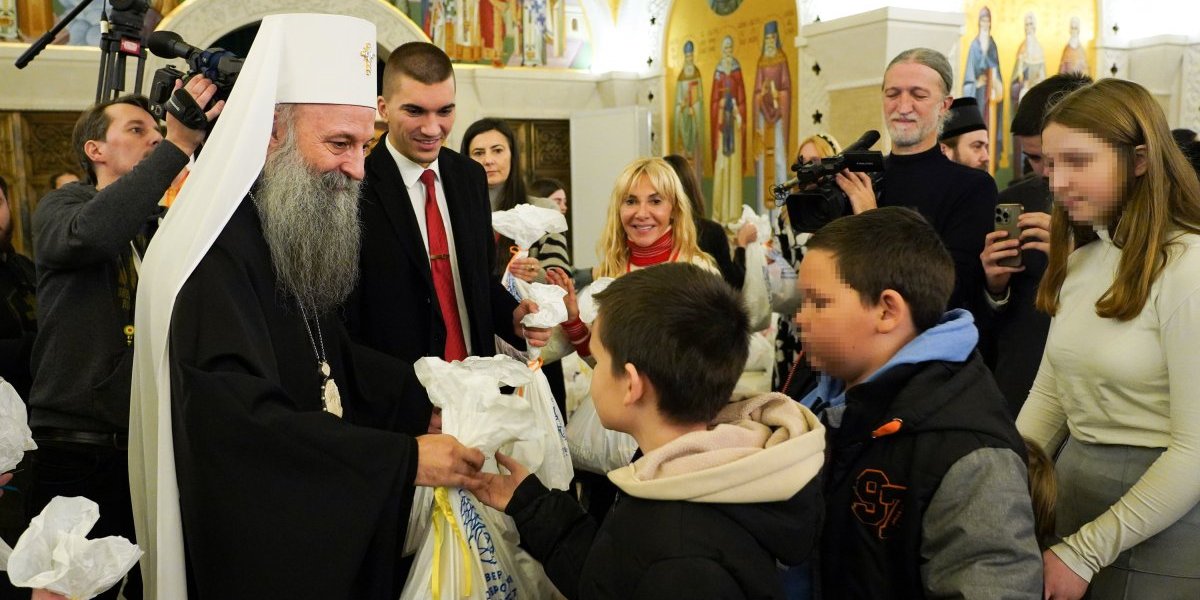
{"x": 557, "y": 276}
{"x": 497, "y": 490}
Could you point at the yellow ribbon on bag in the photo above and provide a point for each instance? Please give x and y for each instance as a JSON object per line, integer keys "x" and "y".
{"x": 442, "y": 510}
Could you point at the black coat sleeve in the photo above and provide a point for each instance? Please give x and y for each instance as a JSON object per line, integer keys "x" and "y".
{"x": 555, "y": 531}
{"x": 687, "y": 578}
{"x": 279, "y": 499}
{"x": 73, "y": 229}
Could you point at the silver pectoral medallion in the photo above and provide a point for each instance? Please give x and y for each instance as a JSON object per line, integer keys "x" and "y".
{"x": 330, "y": 395}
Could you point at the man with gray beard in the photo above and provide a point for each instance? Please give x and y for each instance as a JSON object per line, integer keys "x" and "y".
{"x": 957, "y": 200}
{"x": 285, "y": 431}
{"x": 311, "y": 224}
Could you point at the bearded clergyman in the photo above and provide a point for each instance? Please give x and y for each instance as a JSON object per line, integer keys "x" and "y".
{"x": 271, "y": 457}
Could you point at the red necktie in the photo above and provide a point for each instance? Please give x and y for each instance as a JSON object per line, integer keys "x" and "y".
{"x": 443, "y": 276}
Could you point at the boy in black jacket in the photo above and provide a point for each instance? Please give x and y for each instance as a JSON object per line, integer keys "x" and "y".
{"x": 926, "y": 492}
{"x": 722, "y": 490}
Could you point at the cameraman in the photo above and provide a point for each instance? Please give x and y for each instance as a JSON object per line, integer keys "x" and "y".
{"x": 84, "y": 239}
{"x": 957, "y": 200}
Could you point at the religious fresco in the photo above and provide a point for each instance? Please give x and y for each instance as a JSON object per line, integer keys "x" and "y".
{"x": 531, "y": 33}
{"x": 1010, "y": 46}
{"x": 28, "y": 20}
{"x": 730, "y": 100}
{"x": 548, "y": 33}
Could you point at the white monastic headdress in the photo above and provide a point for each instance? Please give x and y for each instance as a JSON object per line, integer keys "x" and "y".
{"x": 300, "y": 58}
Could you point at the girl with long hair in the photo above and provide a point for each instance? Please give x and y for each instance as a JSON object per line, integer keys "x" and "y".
{"x": 1119, "y": 381}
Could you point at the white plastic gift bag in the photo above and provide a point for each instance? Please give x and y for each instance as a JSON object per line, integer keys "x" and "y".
{"x": 546, "y": 445}
{"x": 15, "y": 440}
{"x": 552, "y": 311}
{"x": 593, "y": 447}
{"x": 55, "y": 554}
{"x": 587, "y": 300}
{"x": 15, "y": 437}
{"x": 525, "y": 224}
{"x": 762, "y": 223}
{"x": 469, "y": 550}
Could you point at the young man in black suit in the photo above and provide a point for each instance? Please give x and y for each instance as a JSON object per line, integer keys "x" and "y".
{"x": 425, "y": 284}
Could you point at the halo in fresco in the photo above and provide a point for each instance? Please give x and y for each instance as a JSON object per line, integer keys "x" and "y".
{"x": 724, "y": 7}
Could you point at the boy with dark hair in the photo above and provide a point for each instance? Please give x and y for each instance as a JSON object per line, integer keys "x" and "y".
{"x": 926, "y": 492}
{"x": 722, "y": 490}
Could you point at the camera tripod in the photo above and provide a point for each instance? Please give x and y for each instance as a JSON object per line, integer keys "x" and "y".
{"x": 120, "y": 38}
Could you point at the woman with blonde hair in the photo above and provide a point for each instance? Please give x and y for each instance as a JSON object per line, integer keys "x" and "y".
{"x": 1119, "y": 380}
{"x": 649, "y": 223}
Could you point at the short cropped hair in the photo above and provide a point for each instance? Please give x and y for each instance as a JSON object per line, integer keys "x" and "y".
{"x": 891, "y": 248}
{"x": 1031, "y": 111}
{"x": 421, "y": 61}
{"x": 684, "y": 328}
{"x": 93, "y": 125}
{"x": 930, "y": 58}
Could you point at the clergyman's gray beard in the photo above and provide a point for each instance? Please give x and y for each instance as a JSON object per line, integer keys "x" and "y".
{"x": 311, "y": 224}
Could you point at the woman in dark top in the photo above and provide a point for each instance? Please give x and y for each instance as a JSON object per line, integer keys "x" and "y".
{"x": 711, "y": 235}
{"x": 491, "y": 143}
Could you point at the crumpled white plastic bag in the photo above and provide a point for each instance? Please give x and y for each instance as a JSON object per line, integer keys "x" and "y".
{"x": 471, "y": 550}
{"x": 587, "y": 303}
{"x": 55, "y": 554}
{"x": 762, "y": 223}
{"x": 594, "y": 447}
{"x": 15, "y": 437}
{"x": 551, "y": 308}
{"x": 469, "y": 390}
{"x": 525, "y": 224}
{"x": 543, "y": 449}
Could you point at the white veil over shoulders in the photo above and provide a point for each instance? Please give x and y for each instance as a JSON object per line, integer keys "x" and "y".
{"x": 296, "y": 58}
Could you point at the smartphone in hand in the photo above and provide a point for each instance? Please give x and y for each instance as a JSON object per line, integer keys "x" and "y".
{"x": 1007, "y": 220}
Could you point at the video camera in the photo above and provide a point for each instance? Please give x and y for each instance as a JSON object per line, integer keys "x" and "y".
{"x": 219, "y": 65}
{"x": 813, "y": 197}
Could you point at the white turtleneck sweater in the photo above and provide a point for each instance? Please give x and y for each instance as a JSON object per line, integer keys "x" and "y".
{"x": 1134, "y": 383}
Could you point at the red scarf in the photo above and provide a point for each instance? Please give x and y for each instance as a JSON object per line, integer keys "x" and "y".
{"x": 657, "y": 253}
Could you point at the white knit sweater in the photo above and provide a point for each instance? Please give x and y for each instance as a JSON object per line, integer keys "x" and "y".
{"x": 1134, "y": 383}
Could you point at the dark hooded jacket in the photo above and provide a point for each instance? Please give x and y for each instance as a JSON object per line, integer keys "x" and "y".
{"x": 717, "y": 539}
{"x": 926, "y": 492}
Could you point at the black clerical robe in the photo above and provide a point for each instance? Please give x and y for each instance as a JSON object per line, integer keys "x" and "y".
{"x": 278, "y": 498}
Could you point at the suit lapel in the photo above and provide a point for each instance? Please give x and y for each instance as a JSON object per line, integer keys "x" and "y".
{"x": 392, "y": 195}
{"x": 458, "y": 202}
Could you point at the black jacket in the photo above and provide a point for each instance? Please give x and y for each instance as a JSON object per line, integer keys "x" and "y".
{"x": 395, "y": 308}
{"x": 711, "y": 238}
{"x": 658, "y": 550}
{"x": 18, "y": 320}
{"x": 958, "y": 201}
{"x": 83, "y": 356}
{"x": 1016, "y": 334}
{"x": 900, "y": 435}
